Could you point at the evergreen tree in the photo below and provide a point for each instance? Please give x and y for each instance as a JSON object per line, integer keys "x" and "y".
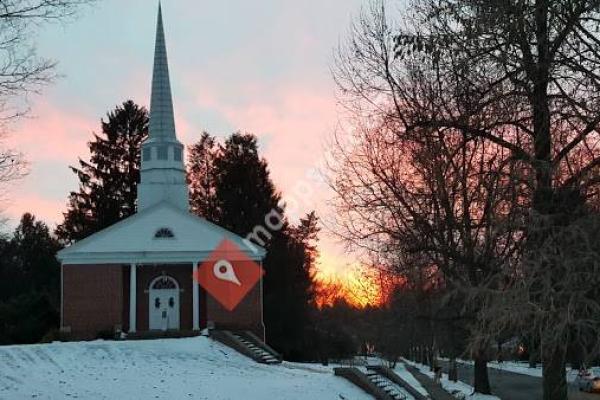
{"x": 289, "y": 289}
{"x": 307, "y": 235}
{"x": 108, "y": 182}
{"x": 201, "y": 177}
{"x": 244, "y": 195}
{"x": 244, "y": 191}
{"x": 34, "y": 249}
{"x": 29, "y": 283}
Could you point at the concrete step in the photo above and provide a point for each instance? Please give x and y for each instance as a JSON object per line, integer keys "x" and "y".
{"x": 260, "y": 352}
{"x": 386, "y": 385}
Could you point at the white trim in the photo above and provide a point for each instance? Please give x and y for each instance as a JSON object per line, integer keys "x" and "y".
{"x": 163, "y": 277}
{"x": 132, "y": 298}
{"x": 196, "y": 298}
{"x": 77, "y": 254}
{"x": 176, "y": 293}
{"x": 147, "y": 257}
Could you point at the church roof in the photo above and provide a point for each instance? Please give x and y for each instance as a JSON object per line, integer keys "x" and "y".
{"x": 159, "y": 234}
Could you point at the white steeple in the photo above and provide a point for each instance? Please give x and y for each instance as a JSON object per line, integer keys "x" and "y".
{"x": 163, "y": 177}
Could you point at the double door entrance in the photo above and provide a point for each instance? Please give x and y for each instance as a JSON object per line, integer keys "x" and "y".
{"x": 163, "y": 304}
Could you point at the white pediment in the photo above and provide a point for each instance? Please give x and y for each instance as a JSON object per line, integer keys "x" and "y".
{"x": 158, "y": 234}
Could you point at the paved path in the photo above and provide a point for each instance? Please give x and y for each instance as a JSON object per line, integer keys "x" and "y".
{"x": 512, "y": 386}
{"x": 435, "y": 391}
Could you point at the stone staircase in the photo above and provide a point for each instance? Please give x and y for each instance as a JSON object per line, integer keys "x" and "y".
{"x": 261, "y": 353}
{"x": 386, "y": 385}
{"x": 248, "y": 344}
{"x": 371, "y": 385}
{"x": 391, "y": 375}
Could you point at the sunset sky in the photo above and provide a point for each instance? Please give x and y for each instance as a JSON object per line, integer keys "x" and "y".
{"x": 258, "y": 66}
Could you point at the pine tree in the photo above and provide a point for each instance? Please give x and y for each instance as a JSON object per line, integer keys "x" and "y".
{"x": 108, "y": 182}
{"x": 289, "y": 288}
{"x": 307, "y": 235}
{"x": 29, "y": 283}
{"x": 201, "y": 177}
{"x": 244, "y": 195}
{"x": 244, "y": 191}
{"x": 35, "y": 249}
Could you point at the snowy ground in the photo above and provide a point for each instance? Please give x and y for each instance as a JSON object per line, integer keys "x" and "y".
{"x": 510, "y": 366}
{"x": 197, "y": 368}
{"x": 409, "y": 378}
{"x": 523, "y": 368}
{"x": 453, "y": 387}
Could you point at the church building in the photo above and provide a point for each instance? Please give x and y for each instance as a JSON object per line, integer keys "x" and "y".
{"x": 138, "y": 276}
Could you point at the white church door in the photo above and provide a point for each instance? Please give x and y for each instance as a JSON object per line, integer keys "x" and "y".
{"x": 164, "y": 303}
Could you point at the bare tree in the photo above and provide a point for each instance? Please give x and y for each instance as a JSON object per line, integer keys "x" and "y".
{"x": 538, "y": 61}
{"x": 22, "y": 71}
{"x": 405, "y": 189}
{"x": 521, "y": 75}
{"x": 559, "y": 309}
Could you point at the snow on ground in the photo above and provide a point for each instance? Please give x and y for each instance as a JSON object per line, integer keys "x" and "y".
{"x": 453, "y": 387}
{"x": 522, "y": 368}
{"x": 409, "y": 378}
{"x": 509, "y": 366}
{"x": 197, "y": 368}
{"x": 516, "y": 367}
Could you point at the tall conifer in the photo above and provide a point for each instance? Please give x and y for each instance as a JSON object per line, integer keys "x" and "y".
{"x": 108, "y": 181}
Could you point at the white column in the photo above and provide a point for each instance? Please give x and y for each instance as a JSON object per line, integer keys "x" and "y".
{"x": 196, "y": 298}
{"x": 132, "y": 299}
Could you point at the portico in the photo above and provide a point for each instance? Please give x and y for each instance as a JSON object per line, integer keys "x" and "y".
{"x": 165, "y": 295}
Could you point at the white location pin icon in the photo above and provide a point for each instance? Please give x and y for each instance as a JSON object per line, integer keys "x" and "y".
{"x": 224, "y": 271}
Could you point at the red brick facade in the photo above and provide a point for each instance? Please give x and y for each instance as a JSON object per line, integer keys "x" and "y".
{"x": 92, "y": 299}
{"x": 96, "y": 300}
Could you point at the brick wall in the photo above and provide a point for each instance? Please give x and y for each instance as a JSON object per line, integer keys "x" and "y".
{"x": 92, "y": 299}
{"x": 96, "y": 299}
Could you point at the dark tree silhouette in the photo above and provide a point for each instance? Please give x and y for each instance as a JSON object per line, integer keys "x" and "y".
{"x": 108, "y": 182}
{"x": 29, "y": 283}
{"x": 231, "y": 185}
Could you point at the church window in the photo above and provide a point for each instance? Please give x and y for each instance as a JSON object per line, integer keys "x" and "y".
{"x": 147, "y": 153}
{"x": 177, "y": 154}
{"x": 164, "y": 233}
{"x": 163, "y": 152}
{"x": 164, "y": 282}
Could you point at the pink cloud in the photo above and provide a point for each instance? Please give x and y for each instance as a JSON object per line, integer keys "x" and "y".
{"x": 47, "y": 210}
{"x": 53, "y": 134}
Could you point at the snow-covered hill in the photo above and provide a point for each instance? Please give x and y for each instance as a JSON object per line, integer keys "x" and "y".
{"x": 194, "y": 368}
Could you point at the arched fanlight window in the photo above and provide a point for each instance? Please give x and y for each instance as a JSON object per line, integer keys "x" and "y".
{"x": 164, "y": 282}
{"x": 164, "y": 233}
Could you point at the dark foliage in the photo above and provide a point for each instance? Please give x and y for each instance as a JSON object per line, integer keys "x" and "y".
{"x": 29, "y": 283}
{"x": 108, "y": 182}
{"x": 230, "y": 184}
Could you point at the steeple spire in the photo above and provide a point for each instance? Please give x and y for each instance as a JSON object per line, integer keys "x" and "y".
{"x": 163, "y": 178}
{"x": 162, "y": 121}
